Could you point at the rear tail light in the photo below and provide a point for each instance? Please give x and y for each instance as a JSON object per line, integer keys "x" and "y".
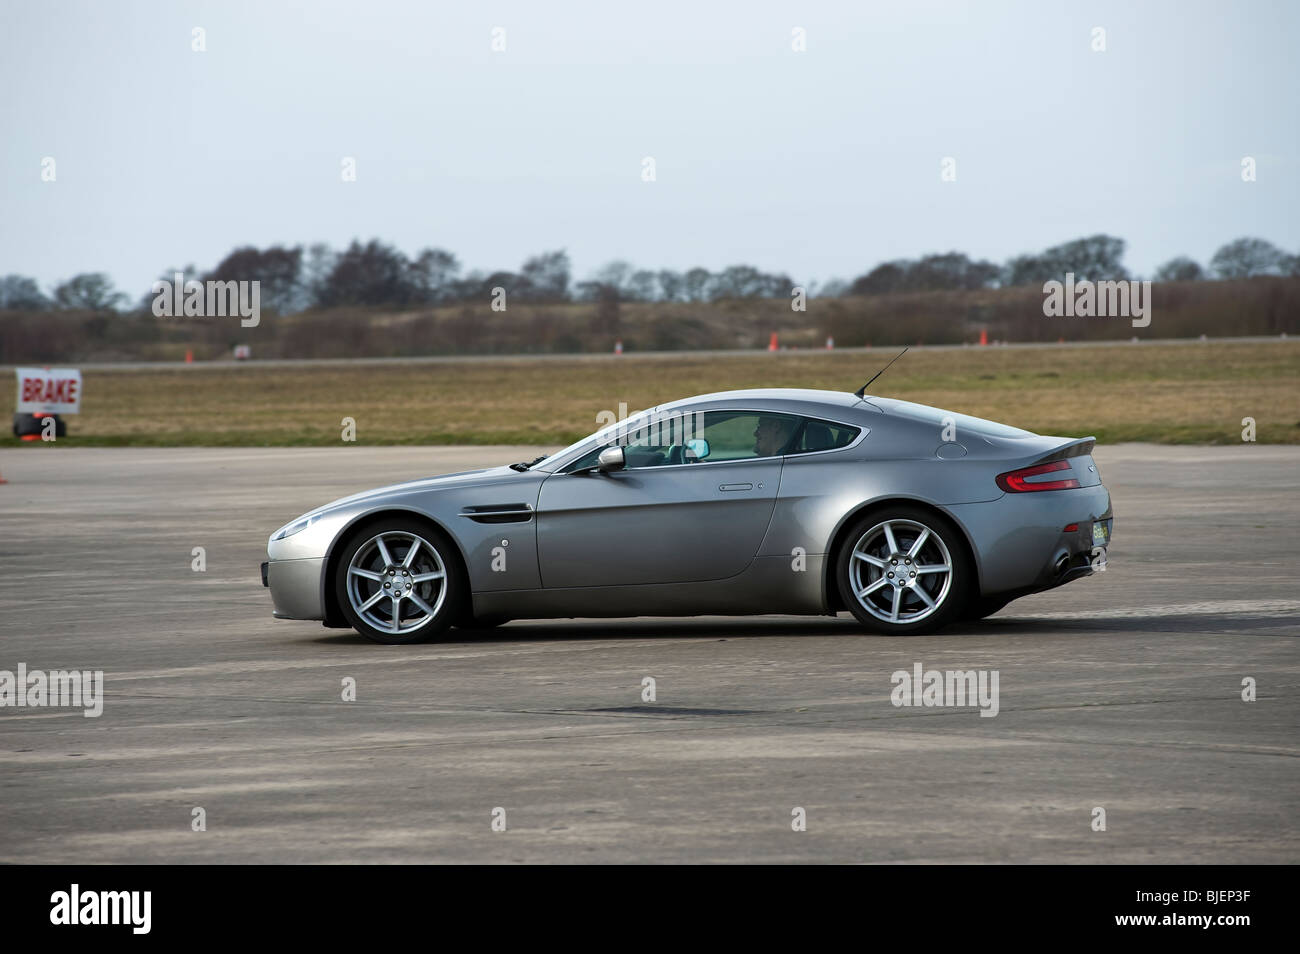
{"x": 1017, "y": 481}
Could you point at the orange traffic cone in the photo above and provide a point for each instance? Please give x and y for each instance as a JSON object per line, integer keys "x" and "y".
{"x": 189, "y": 355}
{"x": 984, "y": 336}
{"x": 771, "y": 344}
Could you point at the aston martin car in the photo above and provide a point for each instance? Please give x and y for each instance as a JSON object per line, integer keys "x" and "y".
{"x": 735, "y": 503}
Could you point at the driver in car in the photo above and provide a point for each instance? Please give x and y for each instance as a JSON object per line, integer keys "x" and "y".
{"x": 771, "y": 435}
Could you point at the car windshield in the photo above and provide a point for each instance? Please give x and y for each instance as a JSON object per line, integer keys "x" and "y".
{"x": 601, "y": 437}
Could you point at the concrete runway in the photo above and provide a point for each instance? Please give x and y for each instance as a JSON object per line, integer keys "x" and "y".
{"x": 1121, "y": 692}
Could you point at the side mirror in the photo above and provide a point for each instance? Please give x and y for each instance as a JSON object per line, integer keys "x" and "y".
{"x": 610, "y": 460}
{"x": 697, "y": 449}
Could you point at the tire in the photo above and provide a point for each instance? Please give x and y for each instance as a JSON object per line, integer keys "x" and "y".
{"x": 433, "y": 587}
{"x": 28, "y": 425}
{"x": 983, "y": 607}
{"x": 867, "y": 558}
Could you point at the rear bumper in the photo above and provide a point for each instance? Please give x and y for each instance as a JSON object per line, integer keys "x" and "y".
{"x": 1022, "y": 546}
{"x": 295, "y": 586}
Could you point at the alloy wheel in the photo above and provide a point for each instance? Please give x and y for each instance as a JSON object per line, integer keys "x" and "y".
{"x": 396, "y": 582}
{"x": 900, "y": 571}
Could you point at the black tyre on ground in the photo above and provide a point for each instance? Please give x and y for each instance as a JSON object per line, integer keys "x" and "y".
{"x": 904, "y": 570}
{"x": 29, "y": 425}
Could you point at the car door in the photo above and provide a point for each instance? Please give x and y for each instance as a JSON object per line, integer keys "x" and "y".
{"x": 661, "y": 520}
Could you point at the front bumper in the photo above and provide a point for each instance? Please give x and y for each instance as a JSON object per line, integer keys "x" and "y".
{"x": 296, "y": 588}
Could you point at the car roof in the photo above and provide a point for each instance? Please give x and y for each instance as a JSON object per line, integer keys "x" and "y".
{"x": 804, "y": 400}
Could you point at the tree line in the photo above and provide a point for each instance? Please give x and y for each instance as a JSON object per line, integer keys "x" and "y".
{"x": 296, "y": 279}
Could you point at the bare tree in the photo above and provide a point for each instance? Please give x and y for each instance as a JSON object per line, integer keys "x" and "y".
{"x": 671, "y": 284}
{"x": 370, "y": 274}
{"x": 1249, "y": 257}
{"x": 90, "y": 291}
{"x": 546, "y": 276}
{"x": 433, "y": 274}
{"x": 20, "y": 293}
{"x": 1180, "y": 269}
{"x": 275, "y": 269}
{"x": 695, "y": 284}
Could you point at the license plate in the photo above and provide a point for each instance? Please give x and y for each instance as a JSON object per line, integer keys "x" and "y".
{"x": 1100, "y": 533}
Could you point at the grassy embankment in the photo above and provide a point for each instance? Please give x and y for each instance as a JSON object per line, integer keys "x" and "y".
{"x": 1190, "y": 393}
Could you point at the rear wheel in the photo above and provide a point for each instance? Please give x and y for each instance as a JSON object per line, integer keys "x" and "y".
{"x": 399, "y": 581}
{"x": 902, "y": 571}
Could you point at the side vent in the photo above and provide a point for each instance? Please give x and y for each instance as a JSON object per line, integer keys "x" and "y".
{"x": 499, "y": 513}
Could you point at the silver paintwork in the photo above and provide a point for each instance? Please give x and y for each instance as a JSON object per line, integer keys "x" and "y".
{"x": 716, "y": 536}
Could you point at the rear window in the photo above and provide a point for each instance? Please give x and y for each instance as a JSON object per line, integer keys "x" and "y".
{"x": 822, "y": 435}
{"x": 964, "y": 422}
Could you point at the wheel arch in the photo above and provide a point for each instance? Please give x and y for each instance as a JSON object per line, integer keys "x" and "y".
{"x": 834, "y": 602}
{"x": 334, "y": 617}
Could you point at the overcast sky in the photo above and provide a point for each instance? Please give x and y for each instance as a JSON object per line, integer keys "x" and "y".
{"x": 820, "y": 164}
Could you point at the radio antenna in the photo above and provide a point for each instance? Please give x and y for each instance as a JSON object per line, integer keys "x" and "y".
{"x": 863, "y": 390}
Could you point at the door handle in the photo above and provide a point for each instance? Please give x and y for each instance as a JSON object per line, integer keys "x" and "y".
{"x": 735, "y": 486}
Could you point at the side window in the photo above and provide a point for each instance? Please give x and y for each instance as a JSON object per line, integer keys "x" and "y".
{"x": 714, "y": 436}
{"x": 822, "y": 435}
{"x": 740, "y": 435}
{"x": 656, "y": 444}
{"x": 659, "y": 442}
{"x": 586, "y": 460}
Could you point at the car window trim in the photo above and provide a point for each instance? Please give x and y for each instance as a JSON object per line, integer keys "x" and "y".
{"x": 863, "y": 430}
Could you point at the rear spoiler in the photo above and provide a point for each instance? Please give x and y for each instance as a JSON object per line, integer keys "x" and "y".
{"x": 1079, "y": 447}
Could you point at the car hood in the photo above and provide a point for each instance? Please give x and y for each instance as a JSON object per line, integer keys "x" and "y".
{"x": 465, "y": 478}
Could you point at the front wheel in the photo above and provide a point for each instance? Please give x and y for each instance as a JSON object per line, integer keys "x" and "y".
{"x": 399, "y": 581}
{"x": 903, "y": 571}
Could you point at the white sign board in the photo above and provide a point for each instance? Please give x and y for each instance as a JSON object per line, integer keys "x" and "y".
{"x": 49, "y": 391}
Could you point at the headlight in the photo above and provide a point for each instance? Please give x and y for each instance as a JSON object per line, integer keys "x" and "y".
{"x": 296, "y": 527}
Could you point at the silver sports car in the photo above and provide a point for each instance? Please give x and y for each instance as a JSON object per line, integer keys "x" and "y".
{"x": 742, "y": 502}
